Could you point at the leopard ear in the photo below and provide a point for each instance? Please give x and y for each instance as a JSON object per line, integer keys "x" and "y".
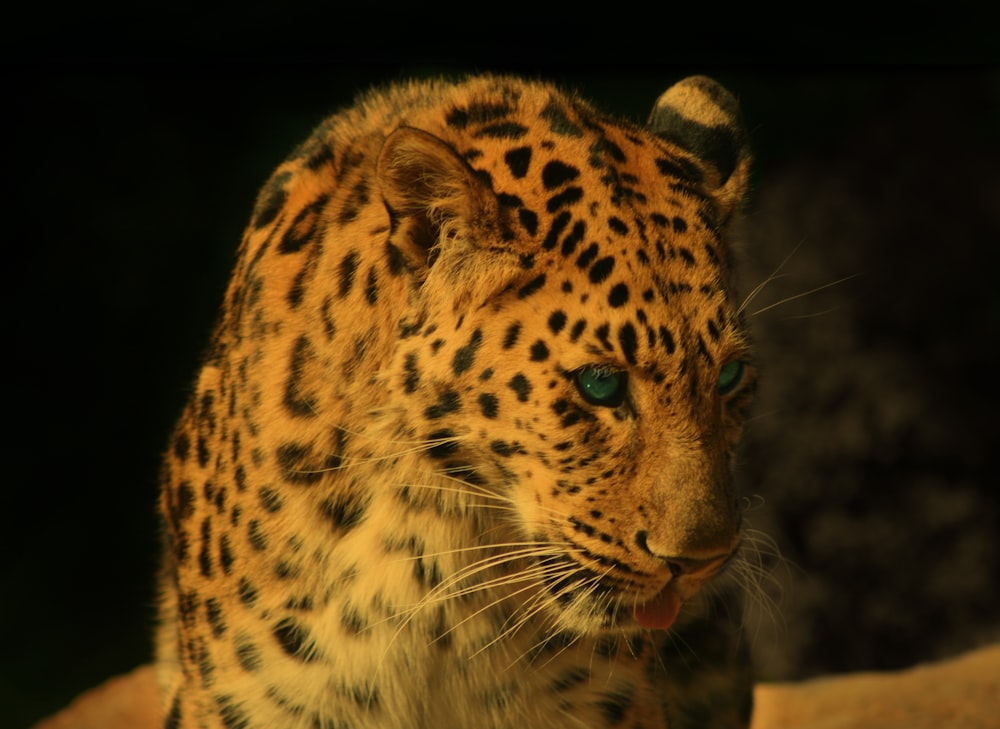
{"x": 435, "y": 199}
{"x": 702, "y": 118}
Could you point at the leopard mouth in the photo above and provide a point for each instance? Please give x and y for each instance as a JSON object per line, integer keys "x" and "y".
{"x": 619, "y": 596}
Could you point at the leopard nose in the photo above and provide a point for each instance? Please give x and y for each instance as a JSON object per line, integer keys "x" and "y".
{"x": 694, "y": 563}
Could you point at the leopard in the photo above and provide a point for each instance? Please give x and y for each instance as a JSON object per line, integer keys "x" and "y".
{"x": 460, "y": 450}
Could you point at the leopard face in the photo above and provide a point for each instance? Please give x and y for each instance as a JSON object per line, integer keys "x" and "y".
{"x": 477, "y": 384}
{"x": 600, "y": 389}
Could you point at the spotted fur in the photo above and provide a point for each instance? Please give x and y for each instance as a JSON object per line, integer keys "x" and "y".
{"x": 390, "y": 501}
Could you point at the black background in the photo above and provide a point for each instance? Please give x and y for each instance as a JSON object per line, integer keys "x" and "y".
{"x": 135, "y": 142}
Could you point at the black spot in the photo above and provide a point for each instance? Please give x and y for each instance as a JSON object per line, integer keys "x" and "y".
{"x": 326, "y": 319}
{"x": 713, "y": 254}
{"x": 213, "y": 610}
{"x": 686, "y": 256}
{"x": 348, "y": 267}
{"x": 187, "y": 604}
{"x": 352, "y": 619}
{"x": 298, "y": 401}
{"x": 356, "y": 199}
{"x": 614, "y": 707}
{"x": 586, "y": 256}
{"x": 173, "y": 720}
{"x": 531, "y": 287}
{"x": 248, "y": 593}
{"x": 205, "y": 666}
{"x": 426, "y": 571}
{"x": 520, "y": 385}
{"x": 442, "y": 443}
{"x": 575, "y": 236}
{"x": 503, "y": 130}
{"x": 559, "y": 122}
{"x": 448, "y": 402}
{"x": 567, "y": 197}
{"x": 573, "y": 677}
{"x": 488, "y": 405}
{"x": 539, "y": 352}
{"x": 518, "y": 161}
{"x": 556, "y": 174}
{"x": 603, "y": 333}
{"x": 225, "y": 555}
{"x": 602, "y": 269}
{"x": 510, "y": 337}
{"x": 559, "y": 223}
{"x": 679, "y": 224}
{"x": 185, "y": 501}
{"x": 300, "y": 466}
{"x": 528, "y": 219}
{"x": 460, "y": 118}
{"x": 247, "y": 654}
{"x": 629, "y": 342}
{"x": 679, "y": 168}
{"x": 320, "y": 157}
{"x": 605, "y": 146}
{"x": 301, "y": 602}
{"x": 240, "y": 476}
{"x": 465, "y": 356}
{"x": 270, "y": 498}
{"x": 411, "y": 380}
{"x": 484, "y": 177}
{"x": 346, "y": 510}
{"x": 618, "y": 225}
{"x": 577, "y": 329}
{"x": 371, "y": 287}
{"x": 668, "y": 340}
{"x": 182, "y": 446}
{"x": 557, "y": 320}
{"x": 618, "y": 296}
{"x": 297, "y": 290}
{"x": 705, "y": 354}
{"x": 294, "y": 639}
{"x": 203, "y": 452}
{"x": 713, "y": 331}
{"x": 205, "y": 557}
{"x": 303, "y": 227}
{"x": 396, "y": 259}
{"x": 505, "y": 449}
{"x": 256, "y": 537}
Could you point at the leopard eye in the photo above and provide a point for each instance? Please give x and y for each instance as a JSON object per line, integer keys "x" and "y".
{"x": 602, "y": 386}
{"x": 730, "y": 376}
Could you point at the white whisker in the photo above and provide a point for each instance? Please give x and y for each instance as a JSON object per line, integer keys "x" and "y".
{"x": 789, "y": 299}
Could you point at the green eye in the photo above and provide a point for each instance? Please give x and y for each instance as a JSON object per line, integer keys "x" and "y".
{"x": 602, "y": 386}
{"x": 730, "y": 376}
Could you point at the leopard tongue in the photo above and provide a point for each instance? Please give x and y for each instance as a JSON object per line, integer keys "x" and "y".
{"x": 660, "y": 612}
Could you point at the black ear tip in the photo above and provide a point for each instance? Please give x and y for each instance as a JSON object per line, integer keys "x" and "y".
{"x": 704, "y": 118}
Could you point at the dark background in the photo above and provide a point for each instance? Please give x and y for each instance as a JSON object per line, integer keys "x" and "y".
{"x": 135, "y": 142}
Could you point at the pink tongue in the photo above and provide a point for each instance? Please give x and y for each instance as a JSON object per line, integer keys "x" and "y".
{"x": 660, "y": 612}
